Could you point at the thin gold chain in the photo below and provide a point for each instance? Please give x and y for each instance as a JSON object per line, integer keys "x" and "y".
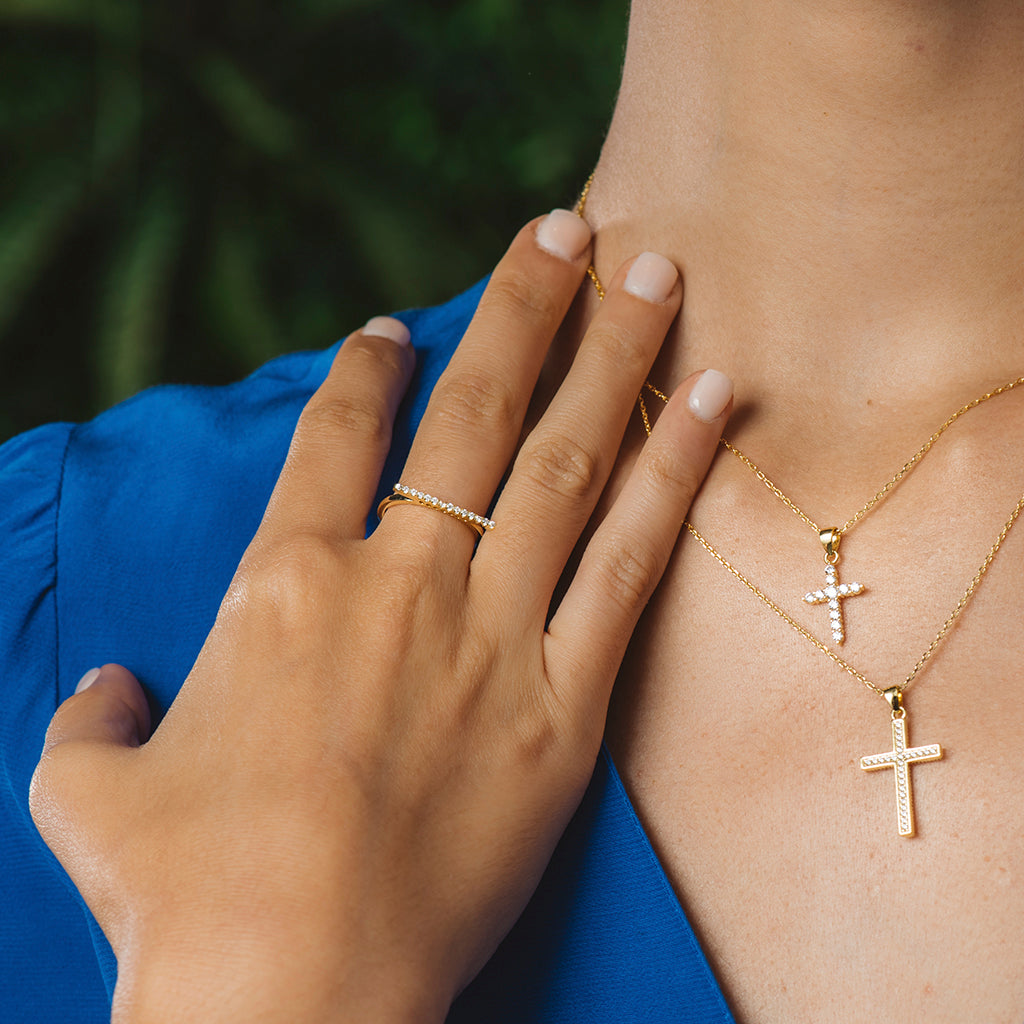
{"x": 842, "y": 662}
{"x": 879, "y": 495}
{"x": 907, "y": 467}
{"x": 892, "y": 482}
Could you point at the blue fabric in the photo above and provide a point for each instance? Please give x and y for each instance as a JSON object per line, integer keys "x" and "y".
{"x": 119, "y": 539}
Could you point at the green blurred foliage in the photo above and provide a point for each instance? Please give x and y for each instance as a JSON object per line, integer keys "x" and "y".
{"x": 188, "y": 189}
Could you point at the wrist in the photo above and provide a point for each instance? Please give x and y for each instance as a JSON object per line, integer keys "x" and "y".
{"x": 231, "y": 987}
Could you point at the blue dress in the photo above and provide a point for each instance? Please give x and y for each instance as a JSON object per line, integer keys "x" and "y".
{"x": 119, "y": 539}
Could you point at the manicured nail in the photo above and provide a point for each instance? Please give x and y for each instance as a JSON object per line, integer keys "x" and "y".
{"x": 710, "y": 395}
{"x": 652, "y": 277}
{"x": 87, "y": 680}
{"x": 387, "y": 327}
{"x": 563, "y": 234}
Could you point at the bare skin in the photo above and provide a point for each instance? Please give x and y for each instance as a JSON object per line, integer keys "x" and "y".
{"x": 841, "y": 185}
{"x": 841, "y": 189}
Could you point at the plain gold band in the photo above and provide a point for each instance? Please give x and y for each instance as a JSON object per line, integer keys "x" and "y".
{"x": 402, "y": 495}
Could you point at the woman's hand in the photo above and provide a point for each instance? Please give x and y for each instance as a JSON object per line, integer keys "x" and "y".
{"x": 364, "y": 775}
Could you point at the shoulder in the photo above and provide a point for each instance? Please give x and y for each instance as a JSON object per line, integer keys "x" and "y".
{"x": 120, "y": 535}
{"x": 133, "y": 523}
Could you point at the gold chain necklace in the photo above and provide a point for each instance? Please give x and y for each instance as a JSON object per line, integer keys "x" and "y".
{"x": 901, "y": 756}
{"x": 834, "y": 592}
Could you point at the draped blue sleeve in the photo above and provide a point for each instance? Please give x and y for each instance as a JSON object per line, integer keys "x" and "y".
{"x": 43, "y": 934}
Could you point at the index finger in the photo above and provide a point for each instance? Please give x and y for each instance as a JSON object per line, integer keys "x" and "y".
{"x": 472, "y": 424}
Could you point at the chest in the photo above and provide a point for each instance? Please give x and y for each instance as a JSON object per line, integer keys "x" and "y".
{"x": 741, "y": 743}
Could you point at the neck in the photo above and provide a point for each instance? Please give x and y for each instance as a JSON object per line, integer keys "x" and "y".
{"x": 841, "y": 184}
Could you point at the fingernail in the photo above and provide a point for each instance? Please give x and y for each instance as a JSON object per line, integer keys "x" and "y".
{"x": 87, "y": 680}
{"x": 652, "y": 277}
{"x": 710, "y": 395}
{"x": 563, "y": 234}
{"x": 387, "y": 327}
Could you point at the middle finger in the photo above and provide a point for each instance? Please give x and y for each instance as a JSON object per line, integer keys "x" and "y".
{"x": 565, "y": 463}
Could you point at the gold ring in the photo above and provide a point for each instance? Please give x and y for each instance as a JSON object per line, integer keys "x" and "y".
{"x": 400, "y": 495}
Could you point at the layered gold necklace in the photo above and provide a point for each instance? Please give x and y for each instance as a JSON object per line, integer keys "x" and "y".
{"x": 902, "y": 755}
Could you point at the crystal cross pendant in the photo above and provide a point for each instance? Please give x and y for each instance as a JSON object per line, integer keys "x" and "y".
{"x": 833, "y": 591}
{"x": 900, "y": 758}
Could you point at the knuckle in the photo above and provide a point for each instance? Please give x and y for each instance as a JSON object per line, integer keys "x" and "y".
{"x": 536, "y": 739}
{"x": 292, "y": 581}
{"x": 622, "y": 349}
{"x": 664, "y": 470}
{"x": 561, "y": 467}
{"x": 365, "y": 356}
{"x": 629, "y": 574}
{"x": 402, "y": 587}
{"x": 475, "y": 399}
{"x": 520, "y": 296}
{"x": 545, "y": 732}
{"x": 352, "y": 415}
{"x": 51, "y": 795}
{"x": 40, "y": 802}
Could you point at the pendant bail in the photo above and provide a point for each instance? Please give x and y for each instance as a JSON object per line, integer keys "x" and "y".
{"x": 830, "y": 539}
{"x": 894, "y": 697}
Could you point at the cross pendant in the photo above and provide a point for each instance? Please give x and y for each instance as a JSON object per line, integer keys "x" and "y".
{"x": 899, "y": 759}
{"x": 831, "y": 594}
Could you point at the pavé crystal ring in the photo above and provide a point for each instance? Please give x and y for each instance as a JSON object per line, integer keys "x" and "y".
{"x": 400, "y": 494}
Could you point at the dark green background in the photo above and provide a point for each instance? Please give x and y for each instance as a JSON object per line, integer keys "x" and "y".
{"x": 190, "y": 188}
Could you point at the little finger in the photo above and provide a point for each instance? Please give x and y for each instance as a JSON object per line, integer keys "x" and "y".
{"x": 343, "y": 435}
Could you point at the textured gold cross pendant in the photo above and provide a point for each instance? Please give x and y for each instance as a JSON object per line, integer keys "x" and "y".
{"x": 900, "y": 758}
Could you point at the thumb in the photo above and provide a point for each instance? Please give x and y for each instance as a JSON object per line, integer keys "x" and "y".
{"x": 109, "y": 707}
{"x": 75, "y": 798}
{"x": 108, "y": 713}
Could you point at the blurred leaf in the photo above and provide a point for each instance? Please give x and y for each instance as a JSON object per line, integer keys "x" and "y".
{"x": 30, "y": 228}
{"x": 322, "y": 10}
{"x": 246, "y": 111}
{"x": 118, "y": 79}
{"x": 252, "y": 176}
{"x": 130, "y": 334}
{"x": 59, "y": 11}
{"x": 236, "y": 298}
